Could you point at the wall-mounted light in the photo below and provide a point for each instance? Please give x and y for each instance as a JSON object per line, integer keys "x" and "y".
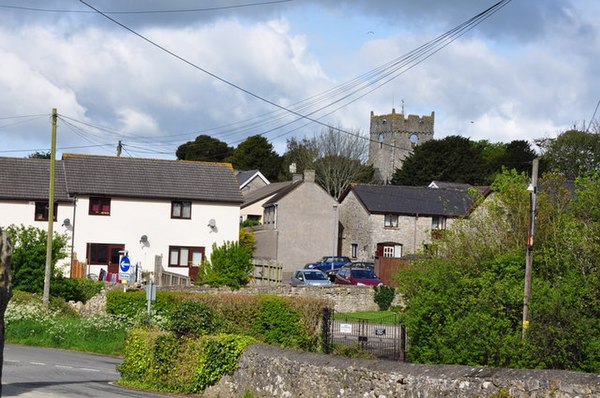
{"x": 66, "y": 223}
{"x": 144, "y": 239}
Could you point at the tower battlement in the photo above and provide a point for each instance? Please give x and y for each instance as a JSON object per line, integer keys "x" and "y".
{"x": 393, "y": 137}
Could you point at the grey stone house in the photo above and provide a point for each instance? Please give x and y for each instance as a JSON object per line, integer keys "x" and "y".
{"x": 396, "y": 221}
{"x": 299, "y": 225}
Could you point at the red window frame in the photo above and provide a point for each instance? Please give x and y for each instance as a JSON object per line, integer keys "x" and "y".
{"x": 99, "y": 206}
{"x": 191, "y": 250}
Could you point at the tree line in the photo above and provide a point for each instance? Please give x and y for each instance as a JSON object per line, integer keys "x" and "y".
{"x": 340, "y": 158}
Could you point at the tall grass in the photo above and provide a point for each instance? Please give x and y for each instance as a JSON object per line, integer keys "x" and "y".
{"x": 28, "y": 322}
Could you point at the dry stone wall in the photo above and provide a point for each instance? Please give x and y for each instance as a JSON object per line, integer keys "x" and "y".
{"x": 266, "y": 371}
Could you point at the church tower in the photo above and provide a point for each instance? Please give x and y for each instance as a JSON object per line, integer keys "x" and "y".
{"x": 393, "y": 138}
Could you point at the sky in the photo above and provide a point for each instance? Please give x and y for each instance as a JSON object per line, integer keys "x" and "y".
{"x": 155, "y": 74}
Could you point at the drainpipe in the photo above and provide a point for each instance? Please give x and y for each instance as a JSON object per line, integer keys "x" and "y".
{"x": 415, "y": 234}
{"x": 73, "y": 228}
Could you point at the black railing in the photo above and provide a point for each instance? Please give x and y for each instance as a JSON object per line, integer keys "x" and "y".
{"x": 382, "y": 337}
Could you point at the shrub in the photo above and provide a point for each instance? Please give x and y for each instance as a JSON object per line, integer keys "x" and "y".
{"x": 71, "y": 289}
{"x": 230, "y": 265}
{"x": 276, "y": 322}
{"x": 384, "y": 295}
{"x": 193, "y": 318}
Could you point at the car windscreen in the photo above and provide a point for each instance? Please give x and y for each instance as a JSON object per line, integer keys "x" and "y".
{"x": 315, "y": 276}
{"x": 363, "y": 274}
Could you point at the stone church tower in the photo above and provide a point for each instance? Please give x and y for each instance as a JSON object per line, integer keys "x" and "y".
{"x": 393, "y": 137}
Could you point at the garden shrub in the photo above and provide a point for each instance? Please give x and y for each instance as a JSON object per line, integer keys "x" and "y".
{"x": 277, "y": 322}
{"x": 384, "y": 295}
{"x": 75, "y": 289}
{"x": 162, "y": 361}
{"x": 193, "y": 318}
{"x": 230, "y": 265}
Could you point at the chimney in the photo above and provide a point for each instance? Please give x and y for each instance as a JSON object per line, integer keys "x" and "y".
{"x": 309, "y": 176}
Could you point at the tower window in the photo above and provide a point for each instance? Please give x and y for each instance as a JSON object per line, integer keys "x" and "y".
{"x": 414, "y": 139}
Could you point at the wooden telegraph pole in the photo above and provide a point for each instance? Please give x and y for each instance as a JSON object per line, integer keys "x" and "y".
{"x": 46, "y": 296}
{"x": 529, "y": 253}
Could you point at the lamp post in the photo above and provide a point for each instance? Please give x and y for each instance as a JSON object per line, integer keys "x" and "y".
{"x": 532, "y": 188}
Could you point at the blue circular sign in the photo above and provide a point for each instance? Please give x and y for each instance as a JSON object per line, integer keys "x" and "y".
{"x": 124, "y": 264}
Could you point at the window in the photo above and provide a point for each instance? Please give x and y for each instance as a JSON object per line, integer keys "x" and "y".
{"x": 181, "y": 209}
{"x": 392, "y": 251}
{"x": 99, "y": 206}
{"x": 391, "y": 221}
{"x": 438, "y": 222}
{"x": 41, "y": 211}
{"x": 181, "y": 256}
{"x": 354, "y": 250}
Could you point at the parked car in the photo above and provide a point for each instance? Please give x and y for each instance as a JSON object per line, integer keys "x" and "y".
{"x": 309, "y": 277}
{"x": 357, "y": 276}
{"x": 329, "y": 263}
{"x": 355, "y": 264}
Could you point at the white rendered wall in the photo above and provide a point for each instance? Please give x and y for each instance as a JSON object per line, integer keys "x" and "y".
{"x": 130, "y": 219}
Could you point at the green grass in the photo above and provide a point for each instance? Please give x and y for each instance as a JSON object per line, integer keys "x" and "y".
{"x": 29, "y": 323}
{"x": 385, "y": 317}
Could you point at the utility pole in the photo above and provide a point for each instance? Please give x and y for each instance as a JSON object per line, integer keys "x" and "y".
{"x": 46, "y": 296}
{"x": 119, "y": 148}
{"x": 529, "y": 253}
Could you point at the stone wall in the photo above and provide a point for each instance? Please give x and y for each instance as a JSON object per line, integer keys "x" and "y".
{"x": 266, "y": 371}
{"x": 342, "y": 298}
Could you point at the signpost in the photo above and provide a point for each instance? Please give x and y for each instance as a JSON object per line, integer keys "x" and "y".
{"x": 124, "y": 267}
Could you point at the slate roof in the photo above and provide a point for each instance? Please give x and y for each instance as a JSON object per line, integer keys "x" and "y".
{"x": 29, "y": 179}
{"x": 151, "y": 178}
{"x": 408, "y": 200}
{"x": 282, "y": 193}
{"x": 264, "y": 192}
{"x": 245, "y": 177}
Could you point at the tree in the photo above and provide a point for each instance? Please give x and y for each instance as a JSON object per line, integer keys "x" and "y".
{"x": 29, "y": 256}
{"x": 302, "y": 154}
{"x": 451, "y": 159}
{"x": 39, "y": 155}
{"x": 256, "y": 153}
{"x": 516, "y": 154}
{"x": 204, "y": 148}
{"x": 341, "y": 161}
{"x": 465, "y": 301}
{"x": 572, "y": 153}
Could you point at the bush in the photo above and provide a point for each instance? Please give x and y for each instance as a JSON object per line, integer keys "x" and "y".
{"x": 230, "y": 265}
{"x": 161, "y": 361}
{"x": 193, "y": 319}
{"x": 71, "y": 289}
{"x": 276, "y": 322}
{"x": 384, "y": 295}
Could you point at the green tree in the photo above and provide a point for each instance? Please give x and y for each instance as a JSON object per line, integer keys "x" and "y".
{"x": 451, "y": 159}
{"x": 465, "y": 302}
{"x": 247, "y": 240}
{"x": 29, "y": 256}
{"x": 39, "y": 155}
{"x": 572, "y": 153}
{"x": 204, "y": 148}
{"x": 230, "y": 265}
{"x": 256, "y": 153}
{"x": 302, "y": 153}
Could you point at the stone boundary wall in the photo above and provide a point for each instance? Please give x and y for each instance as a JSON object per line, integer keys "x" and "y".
{"x": 343, "y": 298}
{"x": 267, "y": 371}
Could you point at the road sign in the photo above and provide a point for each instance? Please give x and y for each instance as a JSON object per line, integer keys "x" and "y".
{"x": 124, "y": 264}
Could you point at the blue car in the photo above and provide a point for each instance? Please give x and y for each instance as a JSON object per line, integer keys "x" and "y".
{"x": 329, "y": 263}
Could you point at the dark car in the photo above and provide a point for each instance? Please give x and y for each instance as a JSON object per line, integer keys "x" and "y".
{"x": 357, "y": 276}
{"x": 329, "y": 263}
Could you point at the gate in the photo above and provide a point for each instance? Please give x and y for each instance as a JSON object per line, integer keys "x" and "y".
{"x": 382, "y": 337}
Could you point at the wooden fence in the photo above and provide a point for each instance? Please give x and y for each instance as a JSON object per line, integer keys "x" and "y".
{"x": 387, "y": 268}
{"x": 266, "y": 272}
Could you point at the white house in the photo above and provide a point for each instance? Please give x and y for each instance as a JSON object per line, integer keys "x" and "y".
{"x": 109, "y": 205}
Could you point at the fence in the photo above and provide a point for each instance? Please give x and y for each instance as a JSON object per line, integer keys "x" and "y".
{"x": 383, "y": 337}
{"x": 266, "y": 272}
{"x": 387, "y": 268}
{"x": 164, "y": 278}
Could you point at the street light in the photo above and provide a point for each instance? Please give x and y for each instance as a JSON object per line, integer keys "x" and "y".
{"x": 532, "y": 188}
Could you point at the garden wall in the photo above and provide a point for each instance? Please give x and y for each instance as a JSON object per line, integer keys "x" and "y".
{"x": 343, "y": 298}
{"x": 266, "y": 371}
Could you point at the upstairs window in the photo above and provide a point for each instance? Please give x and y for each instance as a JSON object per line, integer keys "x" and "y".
{"x": 99, "y": 206}
{"x": 181, "y": 209}
{"x": 438, "y": 222}
{"x": 41, "y": 211}
{"x": 390, "y": 221}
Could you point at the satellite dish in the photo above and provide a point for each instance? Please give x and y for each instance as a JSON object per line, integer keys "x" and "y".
{"x": 212, "y": 223}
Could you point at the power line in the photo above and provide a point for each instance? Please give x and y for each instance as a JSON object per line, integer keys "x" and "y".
{"x": 185, "y": 10}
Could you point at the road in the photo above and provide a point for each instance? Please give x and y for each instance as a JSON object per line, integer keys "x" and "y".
{"x": 32, "y": 372}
